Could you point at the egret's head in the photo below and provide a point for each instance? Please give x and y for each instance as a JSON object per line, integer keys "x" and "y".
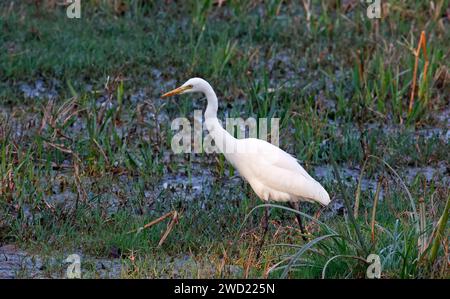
{"x": 191, "y": 85}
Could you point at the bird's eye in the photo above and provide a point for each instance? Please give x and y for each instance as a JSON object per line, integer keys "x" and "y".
{"x": 190, "y": 86}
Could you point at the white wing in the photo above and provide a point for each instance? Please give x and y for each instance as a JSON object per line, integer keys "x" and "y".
{"x": 283, "y": 159}
{"x": 293, "y": 182}
{"x": 279, "y": 171}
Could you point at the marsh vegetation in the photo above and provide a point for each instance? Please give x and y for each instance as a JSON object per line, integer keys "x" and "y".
{"x": 85, "y": 157}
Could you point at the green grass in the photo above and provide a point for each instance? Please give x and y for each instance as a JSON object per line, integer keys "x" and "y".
{"x": 340, "y": 84}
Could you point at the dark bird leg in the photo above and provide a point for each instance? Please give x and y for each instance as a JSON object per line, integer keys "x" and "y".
{"x": 294, "y": 206}
{"x": 265, "y": 227}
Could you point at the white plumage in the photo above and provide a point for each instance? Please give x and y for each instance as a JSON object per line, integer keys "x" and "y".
{"x": 273, "y": 174}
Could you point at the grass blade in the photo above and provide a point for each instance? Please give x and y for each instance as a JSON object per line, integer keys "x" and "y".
{"x": 348, "y": 207}
{"x": 440, "y": 232}
{"x": 303, "y": 250}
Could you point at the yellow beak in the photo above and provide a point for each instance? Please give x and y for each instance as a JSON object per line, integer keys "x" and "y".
{"x": 176, "y": 91}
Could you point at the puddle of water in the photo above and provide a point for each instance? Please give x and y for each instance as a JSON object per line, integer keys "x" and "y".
{"x": 39, "y": 90}
{"x": 350, "y": 176}
{"x": 435, "y": 132}
{"x": 325, "y": 172}
{"x": 442, "y": 171}
{"x": 17, "y": 263}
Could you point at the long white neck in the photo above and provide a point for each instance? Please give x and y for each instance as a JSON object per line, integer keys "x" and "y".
{"x": 211, "y": 109}
{"x": 222, "y": 138}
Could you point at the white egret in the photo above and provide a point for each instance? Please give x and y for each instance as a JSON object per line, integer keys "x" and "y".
{"x": 272, "y": 173}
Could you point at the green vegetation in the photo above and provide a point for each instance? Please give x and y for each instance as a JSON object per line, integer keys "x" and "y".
{"x": 85, "y": 157}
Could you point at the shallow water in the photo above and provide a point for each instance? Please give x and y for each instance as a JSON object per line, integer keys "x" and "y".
{"x": 17, "y": 263}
